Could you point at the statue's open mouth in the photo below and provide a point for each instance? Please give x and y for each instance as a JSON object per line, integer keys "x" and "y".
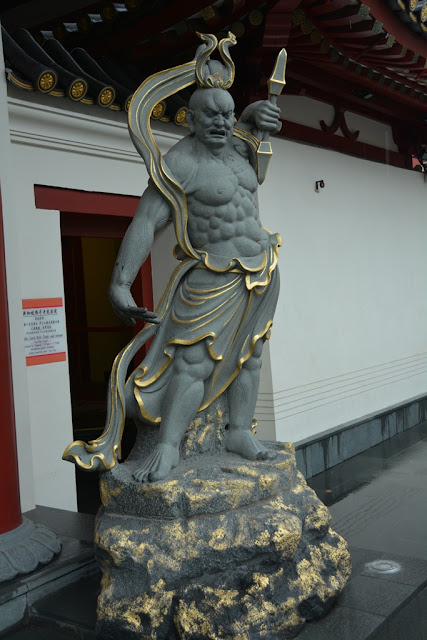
{"x": 217, "y": 132}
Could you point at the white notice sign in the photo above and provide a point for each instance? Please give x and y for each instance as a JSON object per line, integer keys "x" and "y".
{"x": 44, "y": 330}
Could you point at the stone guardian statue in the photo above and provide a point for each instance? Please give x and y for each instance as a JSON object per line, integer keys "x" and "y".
{"x": 217, "y": 309}
{"x": 204, "y": 532}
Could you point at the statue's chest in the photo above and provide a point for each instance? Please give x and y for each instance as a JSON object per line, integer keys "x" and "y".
{"x": 216, "y": 183}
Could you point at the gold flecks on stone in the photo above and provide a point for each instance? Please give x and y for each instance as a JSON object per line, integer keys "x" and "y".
{"x": 224, "y": 548}
{"x": 268, "y": 482}
{"x": 287, "y": 536}
{"x": 254, "y": 425}
{"x": 204, "y": 433}
{"x": 47, "y": 81}
{"x": 364, "y": 11}
{"x": 107, "y": 493}
{"x": 256, "y": 17}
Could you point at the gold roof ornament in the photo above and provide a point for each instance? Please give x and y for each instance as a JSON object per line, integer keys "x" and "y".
{"x": 212, "y": 73}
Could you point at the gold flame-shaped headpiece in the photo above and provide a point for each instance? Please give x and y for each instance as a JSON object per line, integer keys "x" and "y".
{"x": 212, "y": 73}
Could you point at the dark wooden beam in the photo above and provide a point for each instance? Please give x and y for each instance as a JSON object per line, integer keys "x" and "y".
{"x": 391, "y": 23}
{"x": 339, "y": 86}
{"x": 308, "y": 135}
{"x": 144, "y": 28}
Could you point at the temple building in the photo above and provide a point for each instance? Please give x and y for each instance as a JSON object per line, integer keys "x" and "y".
{"x": 346, "y": 366}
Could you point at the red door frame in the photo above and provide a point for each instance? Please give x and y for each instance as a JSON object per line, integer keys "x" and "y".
{"x": 73, "y": 202}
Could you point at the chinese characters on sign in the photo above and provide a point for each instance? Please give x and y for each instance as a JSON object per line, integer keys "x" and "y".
{"x": 44, "y": 330}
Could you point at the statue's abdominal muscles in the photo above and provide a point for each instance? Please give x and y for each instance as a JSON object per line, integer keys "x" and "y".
{"x": 223, "y": 215}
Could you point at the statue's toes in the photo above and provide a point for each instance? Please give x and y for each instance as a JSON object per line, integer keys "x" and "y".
{"x": 141, "y": 475}
{"x": 266, "y": 455}
{"x": 155, "y": 476}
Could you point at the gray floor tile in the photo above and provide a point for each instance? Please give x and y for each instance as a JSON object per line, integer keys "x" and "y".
{"x": 375, "y": 596}
{"x": 342, "y": 623}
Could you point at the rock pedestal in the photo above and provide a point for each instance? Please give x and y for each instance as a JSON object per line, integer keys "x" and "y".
{"x": 225, "y": 548}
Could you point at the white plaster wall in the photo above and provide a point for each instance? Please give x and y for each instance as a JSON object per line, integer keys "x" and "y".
{"x": 349, "y": 335}
{"x": 309, "y": 112}
{"x": 51, "y": 146}
{"x": 350, "y": 331}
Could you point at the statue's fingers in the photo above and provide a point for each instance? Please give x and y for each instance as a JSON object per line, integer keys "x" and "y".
{"x": 143, "y": 314}
{"x": 127, "y": 319}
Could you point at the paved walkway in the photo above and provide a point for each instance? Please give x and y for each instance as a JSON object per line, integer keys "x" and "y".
{"x": 378, "y": 501}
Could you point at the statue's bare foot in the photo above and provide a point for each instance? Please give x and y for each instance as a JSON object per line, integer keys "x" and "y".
{"x": 158, "y": 464}
{"x": 245, "y": 444}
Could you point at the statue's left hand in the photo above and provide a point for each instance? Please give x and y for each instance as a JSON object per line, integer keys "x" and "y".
{"x": 126, "y": 308}
{"x": 264, "y": 115}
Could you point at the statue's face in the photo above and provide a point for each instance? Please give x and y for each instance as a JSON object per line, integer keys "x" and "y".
{"x": 211, "y": 116}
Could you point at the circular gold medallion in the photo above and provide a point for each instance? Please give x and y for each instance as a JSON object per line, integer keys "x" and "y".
{"x": 298, "y": 16}
{"x": 324, "y": 46}
{"x": 47, "y": 81}
{"x": 106, "y": 96}
{"x": 84, "y": 23}
{"x": 238, "y": 28}
{"x": 306, "y": 26}
{"x": 59, "y": 31}
{"x": 315, "y": 36}
{"x": 78, "y": 89}
{"x": 131, "y": 5}
{"x": 158, "y": 110}
{"x": 256, "y": 17}
{"x": 108, "y": 12}
{"x": 181, "y": 116}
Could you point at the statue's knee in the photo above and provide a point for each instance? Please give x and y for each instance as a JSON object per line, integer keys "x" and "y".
{"x": 194, "y": 361}
{"x": 254, "y": 363}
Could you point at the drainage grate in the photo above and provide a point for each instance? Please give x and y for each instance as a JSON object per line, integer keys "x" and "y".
{"x": 383, "y": 566}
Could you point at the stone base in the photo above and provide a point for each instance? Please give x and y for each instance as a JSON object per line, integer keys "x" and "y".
{"x": 24, "y": 548}
{"x": 225, "y": 548}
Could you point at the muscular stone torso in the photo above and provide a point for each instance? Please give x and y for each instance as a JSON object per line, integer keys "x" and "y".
{"x": 222, "y": 210}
